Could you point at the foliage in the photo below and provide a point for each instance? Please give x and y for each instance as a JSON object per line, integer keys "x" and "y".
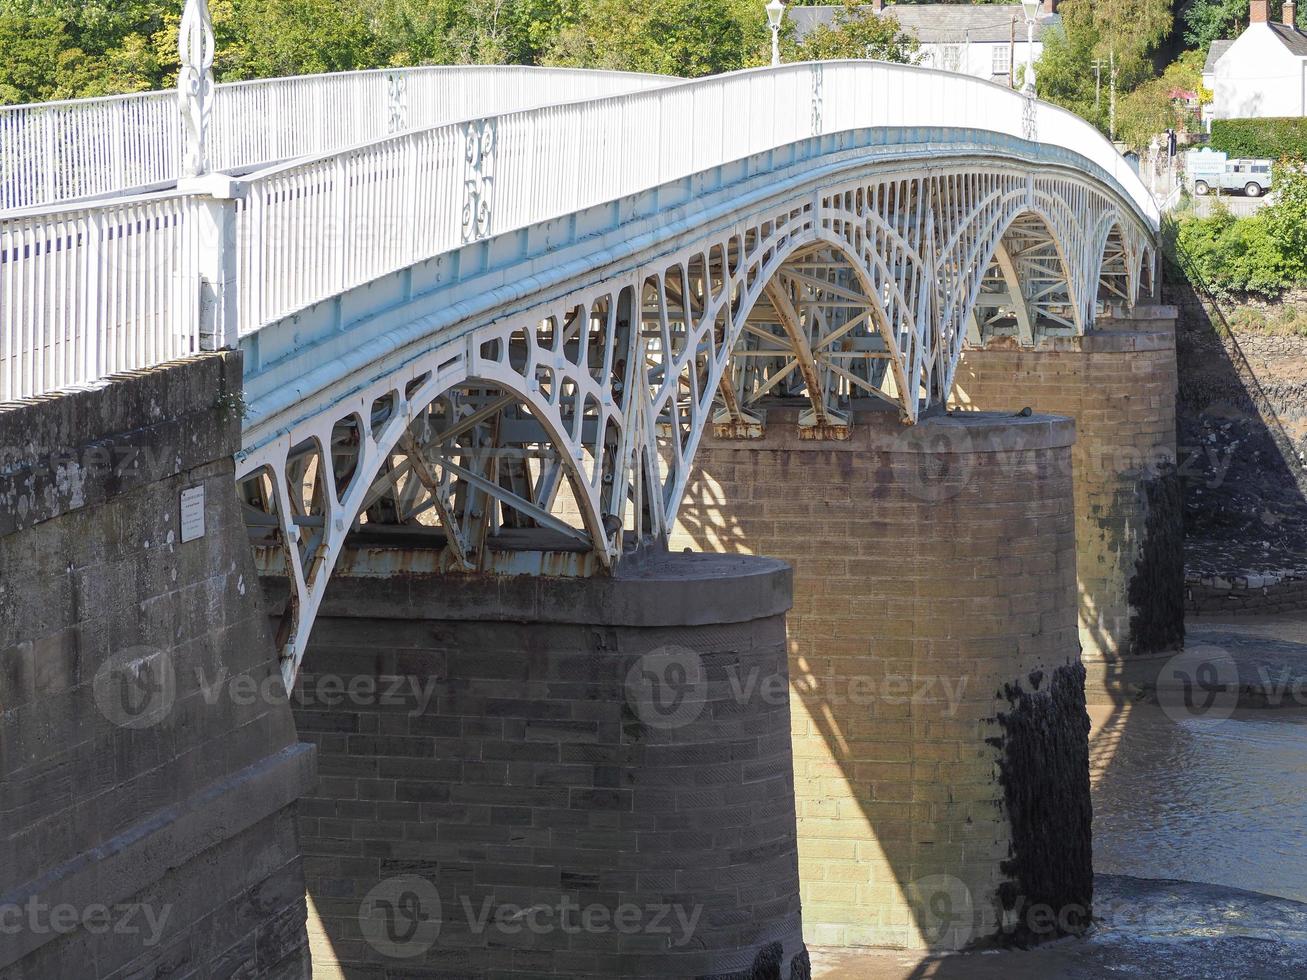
{"x": 295, "y": 37}
{"x": 1126, "y": 32}
{"x": 73, "y": 48}
{"x": 1287, "y": 218}
{"x": 857, "y": 33}
{"x": 677, "y": 37}
{"x": 1272, "y": 139}
{"x": 1153, "y": 107}
{"x": 1234, "y": 255}
{"x": 1211, "y": 20}
{"x": 1264, "y": 254}
{"x": 31, "y": 52}
{"x": 59, "y": 49}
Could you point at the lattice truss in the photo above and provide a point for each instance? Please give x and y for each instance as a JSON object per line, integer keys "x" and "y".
{"x": 559, "y": 439}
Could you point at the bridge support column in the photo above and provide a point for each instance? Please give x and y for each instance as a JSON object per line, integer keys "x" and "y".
{"x": 149, "y": 766}
{"x": 940, "y": 733}
{"x": 571, "y": 777}
{"x": 1119, "y": 384}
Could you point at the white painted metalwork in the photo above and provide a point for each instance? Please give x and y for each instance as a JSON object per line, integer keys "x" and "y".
{"x": 504, "y": 337}
{"x": 53, "y": 152}
{"x": 555, "y": 436}
{"x": 85, "y": 292}
{"x": 195, "y": 86}
{"x": 556, "y": 439}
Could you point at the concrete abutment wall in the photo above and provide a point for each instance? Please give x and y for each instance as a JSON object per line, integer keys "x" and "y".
{"x": 146, "y": 807}
{"x": 940, "y": 733}
{"x": 527, "y": 776}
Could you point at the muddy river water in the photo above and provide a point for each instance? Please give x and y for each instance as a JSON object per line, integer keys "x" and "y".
{"x": 1223, "y": 804}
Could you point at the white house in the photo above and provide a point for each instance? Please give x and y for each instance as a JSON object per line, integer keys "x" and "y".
{"x": 1262, "y": 72}
{"x": 985, "y": 41}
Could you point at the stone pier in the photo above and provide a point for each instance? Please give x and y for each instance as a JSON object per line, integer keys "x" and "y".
{"x": 548, "y": 777}
{"x": 149, "y": 766}
{"x": 1119, "y": 384}
{"x": 940, "y": 734}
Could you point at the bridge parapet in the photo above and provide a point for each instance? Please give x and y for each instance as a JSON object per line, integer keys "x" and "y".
{"x": 90, "y": 283}
{"x": 59, "y": 152}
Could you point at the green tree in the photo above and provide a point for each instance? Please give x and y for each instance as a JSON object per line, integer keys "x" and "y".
{"x": 1124, "y": 32}
{"x": 673, "y": 37}
{"x": 1065, "y": 72}
{"x": 65, "y": 49}
{"x": 1154, "y": 106}
{"x": 1286, "y": 218}
{"x": 1210, "y": 20}
{"x": 269, "y": 38}
{"x": 858, "y": 32}
{"x": 33, "y": 51}
{"x": 1263, "y": 254}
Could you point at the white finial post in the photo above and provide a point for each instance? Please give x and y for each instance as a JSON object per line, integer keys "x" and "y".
{"x": 1031, "y": 8}
{"x": 195, "y": 86}
{"x": 775, "y": 14}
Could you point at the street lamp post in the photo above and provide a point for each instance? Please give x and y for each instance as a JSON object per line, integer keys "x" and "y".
{"x": 1031, "y": 8}
{"x": 775, "y": 14}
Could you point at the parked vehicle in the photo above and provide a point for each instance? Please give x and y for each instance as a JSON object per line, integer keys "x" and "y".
{"x": 1209, "y": 170}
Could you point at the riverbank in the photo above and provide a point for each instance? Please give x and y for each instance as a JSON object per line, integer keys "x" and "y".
{"x": 1242, "y": 421}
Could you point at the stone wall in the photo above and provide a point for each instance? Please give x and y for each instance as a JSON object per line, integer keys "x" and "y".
{"x": 940, "y": 736}
{"x": 1244, "y": 595}
{"x": 527, "y": 777}
{"x": 149, "y": 765}
{"x": 1243, "y": 433}
{"x": 1119, "y": 384}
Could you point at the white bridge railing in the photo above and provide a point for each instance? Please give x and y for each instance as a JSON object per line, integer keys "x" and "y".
{"x": 62, "y": 151}
{"x": 89, "y": 290}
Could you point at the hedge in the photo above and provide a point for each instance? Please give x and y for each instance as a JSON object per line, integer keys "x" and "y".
{"x": 1272, "y": 139}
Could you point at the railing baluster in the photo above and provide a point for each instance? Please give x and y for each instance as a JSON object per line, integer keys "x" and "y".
{"x": 60, "y": 151}
{"x": 117, "y": 284}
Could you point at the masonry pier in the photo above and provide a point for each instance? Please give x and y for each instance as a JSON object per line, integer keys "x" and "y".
{"x": 528, "y": 776}
{"x": 1119, "y": 384}
{"x": 149, "y": 766}
{"x": 939, "y": 727}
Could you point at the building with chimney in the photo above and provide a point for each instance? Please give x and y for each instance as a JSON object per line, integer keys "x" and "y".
{"x": 986, "y": 41}
{"x": 1262, "y": 72}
